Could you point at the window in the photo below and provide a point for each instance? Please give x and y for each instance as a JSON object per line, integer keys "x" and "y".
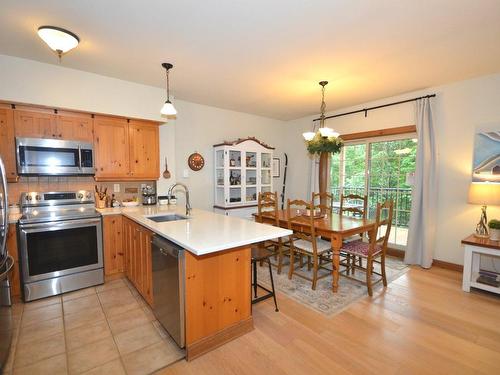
{"x": 381, "y": 168}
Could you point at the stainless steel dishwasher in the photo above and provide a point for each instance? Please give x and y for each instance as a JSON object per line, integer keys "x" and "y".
{"x": 168, "y": 286}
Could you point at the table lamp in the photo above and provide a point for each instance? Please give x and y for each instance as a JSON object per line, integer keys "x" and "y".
{"x": 484, "y": 193}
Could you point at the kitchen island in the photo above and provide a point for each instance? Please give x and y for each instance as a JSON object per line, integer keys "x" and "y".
{"x": 217, "y": 274}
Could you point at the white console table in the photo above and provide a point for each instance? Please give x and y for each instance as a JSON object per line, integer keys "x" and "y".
{"x": 474, "y": 247}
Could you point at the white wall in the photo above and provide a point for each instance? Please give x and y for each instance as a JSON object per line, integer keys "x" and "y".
{"x": 196, "y": 128}
{"x": 199, "y": 127}
{"x": 460, "y": 109}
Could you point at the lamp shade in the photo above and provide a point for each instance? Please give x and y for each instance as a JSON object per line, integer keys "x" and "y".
{"x": 308, "y": 136}
{"x": 484, "y": 193}
{"x": 168, "y": 109}
{"x": 58, "y": 39}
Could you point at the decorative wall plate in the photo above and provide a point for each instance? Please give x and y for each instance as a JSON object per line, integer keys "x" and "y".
{"x": 196, "y": 161}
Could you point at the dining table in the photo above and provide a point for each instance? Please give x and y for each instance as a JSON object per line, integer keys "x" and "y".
{"x": 335, "y": 226}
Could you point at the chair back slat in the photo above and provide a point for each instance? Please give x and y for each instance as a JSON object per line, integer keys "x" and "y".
{"x": 267, "y": 207}
{"x": 355, "y": 211}
{"x": 323, "y": 201}
{"x": 295, "y": 210}
{"x": 387, "y": 206}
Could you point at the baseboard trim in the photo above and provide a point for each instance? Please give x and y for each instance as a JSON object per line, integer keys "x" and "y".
{"x": 395, "y": 253}
{"x": 436, "y": 263}
{"x": 447, "y": 265}
{"x": 209, "y": 343}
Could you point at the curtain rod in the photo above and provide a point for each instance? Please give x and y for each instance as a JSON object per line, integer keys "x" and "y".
{"x": 365, "y": 110}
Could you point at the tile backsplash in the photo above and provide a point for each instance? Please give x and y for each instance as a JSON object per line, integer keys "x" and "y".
{"x": 44, "y": 184}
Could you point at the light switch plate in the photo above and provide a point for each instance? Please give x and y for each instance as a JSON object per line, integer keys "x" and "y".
{"x": 185, "y": 173}
{"x": 116, "y": 188}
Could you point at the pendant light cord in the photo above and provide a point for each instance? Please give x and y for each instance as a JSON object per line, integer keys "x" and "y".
{"x": 168, "y": 87}
{"x": 323, "y": 104}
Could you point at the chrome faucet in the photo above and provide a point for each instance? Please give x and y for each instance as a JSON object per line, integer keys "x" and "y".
{"x": 188, "y": 204}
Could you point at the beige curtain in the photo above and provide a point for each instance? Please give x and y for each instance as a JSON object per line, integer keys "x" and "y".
{"x": 422, "y": 228}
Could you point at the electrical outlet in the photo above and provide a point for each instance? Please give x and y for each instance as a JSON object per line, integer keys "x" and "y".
{"x": 116, "y": 188}
{"x": 185, "y": 173}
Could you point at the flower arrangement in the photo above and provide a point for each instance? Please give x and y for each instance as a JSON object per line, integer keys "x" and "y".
{"x": 319, "y": 144}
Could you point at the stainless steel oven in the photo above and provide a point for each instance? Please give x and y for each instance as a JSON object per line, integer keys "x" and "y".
{"x": 60, "y": 245}
{"x": 38, "y": 157}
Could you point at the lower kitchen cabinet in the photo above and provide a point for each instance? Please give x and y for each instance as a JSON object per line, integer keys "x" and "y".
{"x": 138, "y": 267}
{"x": 113, "y": 244}
{"x": 15, "y": 282}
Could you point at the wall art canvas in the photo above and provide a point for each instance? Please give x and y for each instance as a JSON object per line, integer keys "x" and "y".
{"x": 486, "y": 162}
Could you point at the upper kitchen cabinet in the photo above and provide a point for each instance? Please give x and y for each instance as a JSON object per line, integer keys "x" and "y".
{"x": 111, "y": 148}
{"x": 75, "y": 126}
{"x": 144, "y": 149}
{"x": 45, "y": 123}
{"x": 7, "y": 143}
{"x": 35, "y": 124}
{"x": 126, "y": 149}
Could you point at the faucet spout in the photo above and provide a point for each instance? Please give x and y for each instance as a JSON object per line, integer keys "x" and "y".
{"x": 188, "y": 203}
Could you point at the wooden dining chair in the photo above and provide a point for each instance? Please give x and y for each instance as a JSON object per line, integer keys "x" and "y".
{"x": 267, "y": 210}
{"x": 347, "y": 208}
{"x": 373, "y": 250}
{"x": 359, "y": 210}
{"x": 304, "y": 240}
{"x": 323, "y": 201}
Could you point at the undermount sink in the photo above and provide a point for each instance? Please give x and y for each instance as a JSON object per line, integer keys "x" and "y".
{"x": 164, "y": 218}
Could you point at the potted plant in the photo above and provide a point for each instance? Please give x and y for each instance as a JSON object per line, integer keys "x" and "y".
{"x": 494, "y": 226}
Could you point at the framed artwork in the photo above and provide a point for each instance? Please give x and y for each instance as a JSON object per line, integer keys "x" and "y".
{"x": 486, "y": 161}
{"x": 276, "y": 167}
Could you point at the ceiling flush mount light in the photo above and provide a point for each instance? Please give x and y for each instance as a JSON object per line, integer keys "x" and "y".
{"x": 58, "y": 39}
{"x": 168, "y": 108}
{"x": 325, "y": 139}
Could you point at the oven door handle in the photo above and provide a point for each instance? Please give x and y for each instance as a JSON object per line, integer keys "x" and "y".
{"x": 59, "y": 224}
{"x": 79, "y": 157}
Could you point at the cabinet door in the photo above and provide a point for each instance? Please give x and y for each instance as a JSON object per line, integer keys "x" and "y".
{"x": 147, "y": 275}
{"x": 76, "y": 127}
{"x": 138, "y": 254}
{"x": 34, "y": 124}
{"x": 8, "y": 143}
{"x": 111, "y": 147}
{"x": 128, "y": 240}
{"x": 144, "y": 150}
{"x": 113, "y": 249}
{"x": 15, "y": 283}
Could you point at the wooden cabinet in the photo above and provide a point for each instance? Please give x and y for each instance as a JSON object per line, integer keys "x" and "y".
{"x": 138, "y": 266}
{"x": 144, "y": 149}
{"x": 113, "y": 244}
{"x": 43, "y": 123}
{"x": 8, "y": 143}
{"x": 111, "y": 148}
{"x": 15, "y": 282}
{"x": 75, "y": 127}
{"x": 35, "y": 124}
{"x": 126, "y": 150}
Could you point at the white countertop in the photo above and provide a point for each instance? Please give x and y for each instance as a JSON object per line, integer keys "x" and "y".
{"x": 204, "y": 232}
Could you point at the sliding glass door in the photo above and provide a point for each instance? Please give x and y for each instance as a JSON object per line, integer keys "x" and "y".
{"x": 381, "y": 168}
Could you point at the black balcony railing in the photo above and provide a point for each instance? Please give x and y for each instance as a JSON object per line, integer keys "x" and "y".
{"x": 401, "y": 198}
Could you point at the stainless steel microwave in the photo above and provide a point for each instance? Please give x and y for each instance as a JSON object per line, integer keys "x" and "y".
{"x": 54, "y": 157}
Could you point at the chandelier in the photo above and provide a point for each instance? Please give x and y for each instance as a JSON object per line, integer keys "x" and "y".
{"x": 325, "y": 139}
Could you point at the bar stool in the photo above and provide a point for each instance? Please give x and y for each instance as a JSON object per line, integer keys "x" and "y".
{"x": 260, "y": 254}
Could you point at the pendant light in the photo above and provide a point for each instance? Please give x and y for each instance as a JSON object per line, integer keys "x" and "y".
{"x": 168, "y": 108}
{"x": 323, "y": 131}
{"x": 58, "y": 39}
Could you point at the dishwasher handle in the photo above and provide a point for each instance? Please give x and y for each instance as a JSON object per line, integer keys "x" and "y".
{"x": 166, "y": 247}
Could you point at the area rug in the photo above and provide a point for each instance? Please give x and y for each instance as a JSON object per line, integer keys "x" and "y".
{"x": 323, "y": 299}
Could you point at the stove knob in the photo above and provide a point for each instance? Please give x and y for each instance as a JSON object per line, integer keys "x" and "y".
{"x": 28, "y": 197}
{"x": 80, "y": 196}
{"x": 38, "y": 197}
{"x": 88, "y": 195}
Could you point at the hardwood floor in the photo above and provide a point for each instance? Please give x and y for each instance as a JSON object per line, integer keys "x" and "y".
{"x": 422, "y": 324}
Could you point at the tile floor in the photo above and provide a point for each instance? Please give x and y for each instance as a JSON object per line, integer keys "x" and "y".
{"x": 107, "y": 329}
